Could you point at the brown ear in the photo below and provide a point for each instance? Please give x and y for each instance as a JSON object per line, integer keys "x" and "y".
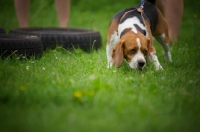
{"x": 148, "y": 51}
{"x": 117, "y": 53}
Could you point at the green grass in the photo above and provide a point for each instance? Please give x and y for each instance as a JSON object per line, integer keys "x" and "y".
{"x": 74, "y": 91}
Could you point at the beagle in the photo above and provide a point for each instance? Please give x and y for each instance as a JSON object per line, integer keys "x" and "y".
{"x": 130, "y": 36}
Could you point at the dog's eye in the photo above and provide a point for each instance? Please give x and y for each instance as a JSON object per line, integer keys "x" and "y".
{"x": 145, "y": 52}
{"x": 133, "y": 51}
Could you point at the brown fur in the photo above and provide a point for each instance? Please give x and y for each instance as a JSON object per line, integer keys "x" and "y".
{"x": 112, "y": 27}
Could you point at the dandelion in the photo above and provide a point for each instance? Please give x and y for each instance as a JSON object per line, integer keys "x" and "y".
{"x": 194, "y": 15}
{"x": 17, "y": 58}
{"x": 27, "y": 67}
{"x": 72, "y": 81}
{"x": 78, "y": 94}
{"x": 142, "y": 75}
{"x": 92, "y": 77}
{"x": 22, "y": 88}
{"x": 55, "y": 56}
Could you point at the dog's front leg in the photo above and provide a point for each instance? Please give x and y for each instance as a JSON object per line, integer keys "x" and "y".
{"x": 109, "y": 47}
{"x": 156, "y": 63}
{"x": 109, "y": 57}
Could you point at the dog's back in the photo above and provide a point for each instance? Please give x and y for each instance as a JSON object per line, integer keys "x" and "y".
{"x": 150, "y": 14}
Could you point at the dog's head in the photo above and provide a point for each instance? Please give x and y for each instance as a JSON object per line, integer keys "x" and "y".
{"x": 132, "y": 47}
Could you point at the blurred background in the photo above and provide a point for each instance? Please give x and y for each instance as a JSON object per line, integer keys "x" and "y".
{"x": 88, "y": 14}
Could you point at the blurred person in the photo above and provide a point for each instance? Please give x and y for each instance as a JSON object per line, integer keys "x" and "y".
{"x": 172, "y": 10}
{"x": 22, "y": 11}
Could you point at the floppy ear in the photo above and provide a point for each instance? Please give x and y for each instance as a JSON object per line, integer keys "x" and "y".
{"x": 148, "y": 51}
{"x": 117, "y": 53}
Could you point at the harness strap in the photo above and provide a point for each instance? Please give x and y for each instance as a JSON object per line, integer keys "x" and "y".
{"x": 126, "y": 13}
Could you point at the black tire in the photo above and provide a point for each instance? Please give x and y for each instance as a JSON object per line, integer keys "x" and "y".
{"x": 68, "y": 38}
{"x": 20, "y": 45}
{"x": 2, "y": 31}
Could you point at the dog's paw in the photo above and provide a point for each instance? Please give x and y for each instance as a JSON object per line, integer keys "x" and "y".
{"x": 159, "y": 67}
{"x": 109, "y": 65}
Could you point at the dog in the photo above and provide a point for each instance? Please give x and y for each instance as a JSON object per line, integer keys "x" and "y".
{"x": 130, "y": 36}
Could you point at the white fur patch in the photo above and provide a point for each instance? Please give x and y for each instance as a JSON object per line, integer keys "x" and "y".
{"x": 129, "y": 23}
{"x": 138, "y": 43}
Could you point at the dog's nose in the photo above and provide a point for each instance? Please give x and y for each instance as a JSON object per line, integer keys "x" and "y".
{"x": 141, "y": 64}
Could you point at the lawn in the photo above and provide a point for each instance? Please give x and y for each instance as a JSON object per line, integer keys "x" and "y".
{"x": 74, "y": 91}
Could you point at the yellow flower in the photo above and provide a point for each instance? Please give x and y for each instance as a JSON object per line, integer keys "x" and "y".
{"x": 22, "y": 88}
{"x": 27, "y": 67}
{"x": 78, "y": 94}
